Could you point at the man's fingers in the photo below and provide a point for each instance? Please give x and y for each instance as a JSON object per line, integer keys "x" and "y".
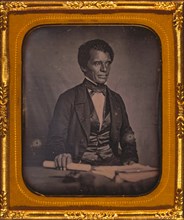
{"x": 69, "y": 159}
{"x": 66, "y": 159}
{"x": 60, "y": 157}
{"x": 129, "y": 163}
{"x": 62, "y": 160}
{"x": 56, "y": 162}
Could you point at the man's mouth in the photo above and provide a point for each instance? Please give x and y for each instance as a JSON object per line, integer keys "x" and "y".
{"x": 102, "y": 76}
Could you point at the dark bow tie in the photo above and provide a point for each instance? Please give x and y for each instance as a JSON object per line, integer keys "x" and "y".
{"x": 95, "y": 88}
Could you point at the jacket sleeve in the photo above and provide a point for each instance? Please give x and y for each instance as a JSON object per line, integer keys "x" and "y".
{"x": 127, "y": 138}
{"x": 58, "y": 130}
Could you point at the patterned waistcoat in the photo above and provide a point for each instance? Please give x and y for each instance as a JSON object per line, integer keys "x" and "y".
{"x": 98, "y": 147}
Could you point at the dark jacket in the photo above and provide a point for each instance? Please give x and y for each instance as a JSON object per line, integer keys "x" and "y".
{"x": 70, "y": 127}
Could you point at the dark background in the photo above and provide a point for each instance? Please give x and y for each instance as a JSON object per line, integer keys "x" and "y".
{"x": 50, "y": 67}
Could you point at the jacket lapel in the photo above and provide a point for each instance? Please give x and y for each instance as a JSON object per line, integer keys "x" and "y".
{"x": 82, "y": 109}
{"x": 115, "y": 109}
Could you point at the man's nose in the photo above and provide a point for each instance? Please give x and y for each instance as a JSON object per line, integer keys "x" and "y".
{"x": 103, "y": 67}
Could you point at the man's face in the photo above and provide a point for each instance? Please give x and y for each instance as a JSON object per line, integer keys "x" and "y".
{"x": 98, "y": 66}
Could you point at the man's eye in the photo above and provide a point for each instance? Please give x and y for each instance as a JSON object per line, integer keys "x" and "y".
{"x": 97, "y": 63}
{"x": 108, "y": 63}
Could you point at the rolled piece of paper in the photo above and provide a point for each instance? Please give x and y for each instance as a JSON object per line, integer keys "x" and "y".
{"x": 49, "y": 164}
{"x": 70, "y": 166}
{"x": 78, "y": 166}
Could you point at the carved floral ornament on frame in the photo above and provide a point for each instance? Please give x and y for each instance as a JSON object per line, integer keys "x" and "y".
{"x": 6, "y": 8}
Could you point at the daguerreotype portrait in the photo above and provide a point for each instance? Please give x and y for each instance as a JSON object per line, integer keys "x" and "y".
{"x": 89, "y": 131}
{"x": 91, "y": 120}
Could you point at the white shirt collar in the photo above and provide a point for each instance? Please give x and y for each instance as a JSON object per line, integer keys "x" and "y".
{"x": 90, "y": 80}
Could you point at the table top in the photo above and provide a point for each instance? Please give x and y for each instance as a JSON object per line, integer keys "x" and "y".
{"x": 52, "y": 182}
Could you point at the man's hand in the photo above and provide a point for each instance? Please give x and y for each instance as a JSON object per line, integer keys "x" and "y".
{"x": 62, "y": 160}
{"x": 129, "y": 163}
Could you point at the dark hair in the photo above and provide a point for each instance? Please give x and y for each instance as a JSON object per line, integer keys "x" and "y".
{"x": 97, "y": 44}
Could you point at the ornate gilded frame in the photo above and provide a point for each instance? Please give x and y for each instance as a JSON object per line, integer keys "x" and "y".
{"x": 166, "y": 201}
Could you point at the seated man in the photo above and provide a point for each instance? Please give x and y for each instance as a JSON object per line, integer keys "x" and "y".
{"x": 90, "y": 124}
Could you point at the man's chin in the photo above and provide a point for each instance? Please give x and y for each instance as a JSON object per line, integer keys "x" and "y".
{"x": 101, "y": 81}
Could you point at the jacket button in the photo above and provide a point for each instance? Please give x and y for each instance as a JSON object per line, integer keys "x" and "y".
{"x": 82, "y": 141}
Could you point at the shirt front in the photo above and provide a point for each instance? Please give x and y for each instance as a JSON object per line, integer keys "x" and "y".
{"x": 98, "y": 100}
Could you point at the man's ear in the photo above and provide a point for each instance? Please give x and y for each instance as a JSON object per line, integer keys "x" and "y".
{"x": 84, "y": 69}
